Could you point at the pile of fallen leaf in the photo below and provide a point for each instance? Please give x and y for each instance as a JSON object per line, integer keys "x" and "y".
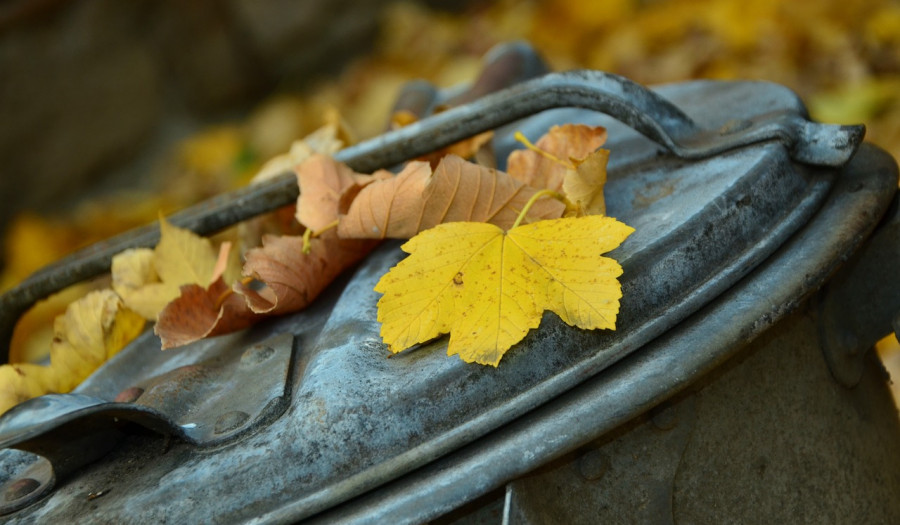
{"x": 843, "y": 58}
{"x": 490, "y": 252}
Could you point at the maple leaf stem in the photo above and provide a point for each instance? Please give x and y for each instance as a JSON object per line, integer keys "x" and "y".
{"x": 542, "y": 193}
{"x": 309, "y": 234}
{"x": 221, "y": 300}
{"x": 527, "y": 143}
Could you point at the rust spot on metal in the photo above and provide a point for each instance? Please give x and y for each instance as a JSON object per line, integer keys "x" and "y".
{"x": 652, "y": 193}
{"x": 230, "y": 421}
{"x": 95, "y": 495}
{"x": 21, "y": 488}
{"x": 129, "y": 395}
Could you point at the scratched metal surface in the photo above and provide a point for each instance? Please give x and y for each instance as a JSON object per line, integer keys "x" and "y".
{"x": 358, "y": 419}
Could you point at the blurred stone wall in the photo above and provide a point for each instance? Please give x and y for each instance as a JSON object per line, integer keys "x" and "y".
{"x": 85, "y": 85}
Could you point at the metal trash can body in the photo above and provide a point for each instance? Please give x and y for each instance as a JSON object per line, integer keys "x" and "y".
{"x": 742, "y": 210}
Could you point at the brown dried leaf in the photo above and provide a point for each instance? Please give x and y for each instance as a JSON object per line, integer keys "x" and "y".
{"x": 202, "y": 312}
{"x": 282, "y": 221}
{"x": 323, "y": 181}
{"x": 566, "y": 142}
{"x": 396, "y": 201}
{"x": 293, "y": 279}
{"x": 418, "y": 199}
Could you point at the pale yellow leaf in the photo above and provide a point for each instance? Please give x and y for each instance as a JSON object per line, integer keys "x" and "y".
{"x": 584, "y": 185}
{"x": 22, "y": 381}
{"x": 92, "y": 330}
{"x": 183, "y": 257}
{"x": 135, "y": 279}
{"x": 324, "y": 140}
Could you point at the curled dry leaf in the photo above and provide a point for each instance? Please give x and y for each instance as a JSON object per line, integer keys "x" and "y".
{"x": 92, "y": 330}
{"x": 135, "y": 279}
{"x": 327, "y": 140}
{"x": 294, "y": 279}
{"x": 282, "y": 221}
{"x": 386, "y": 207}
{"x": 290, "y": 280}
{"x": 202, "y": 312}
{"x": 199, "y": 311}
{"x": 584, "y": 185}
{"x": 466, "y": 148}
{"x": 488, "y": 288}
{"x": 548, "y": 167}
{"x": 418, "y": 199}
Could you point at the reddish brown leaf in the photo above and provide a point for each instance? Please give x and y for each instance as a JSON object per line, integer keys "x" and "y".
{"x": 292, "y": 278}
{"x": 291, "y": 281}
{"x": 569, "y": 141}
{"x": 202, "y": 312}
{"x": 418, "y": 199}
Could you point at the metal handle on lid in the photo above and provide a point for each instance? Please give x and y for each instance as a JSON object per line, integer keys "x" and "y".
{"x": 642, "y": 109}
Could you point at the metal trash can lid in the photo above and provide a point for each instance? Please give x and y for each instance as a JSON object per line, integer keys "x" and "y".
{"x": 719, "y": 188}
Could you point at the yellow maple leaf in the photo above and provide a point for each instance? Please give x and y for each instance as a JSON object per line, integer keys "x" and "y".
{"x": 488, "y": 288}
{"x": 147, "y": 280}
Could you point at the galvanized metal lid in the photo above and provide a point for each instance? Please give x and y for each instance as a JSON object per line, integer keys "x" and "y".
{"x": 304, "y": 413}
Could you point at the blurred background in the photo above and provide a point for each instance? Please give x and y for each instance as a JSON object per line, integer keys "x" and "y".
{"x": 111, "y": 111}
